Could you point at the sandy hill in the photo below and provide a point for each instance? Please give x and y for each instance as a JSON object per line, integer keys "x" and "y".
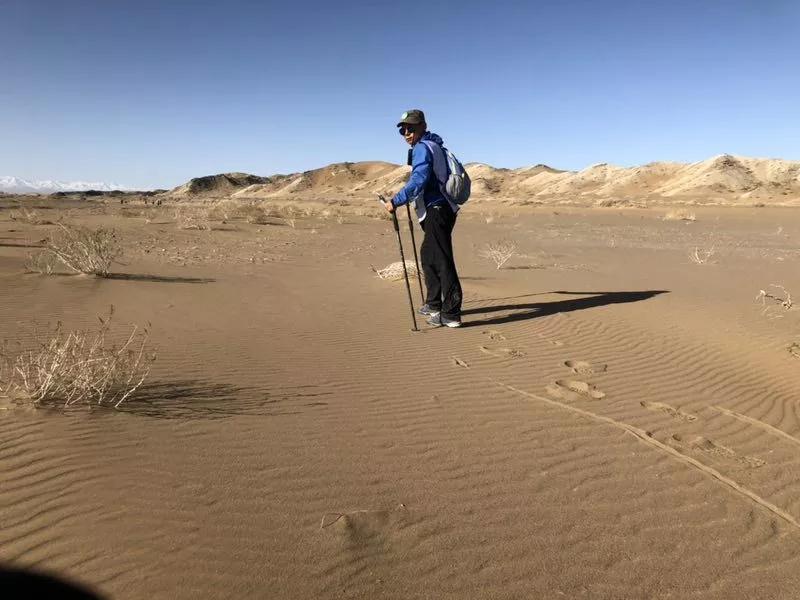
{"x": 221, "y": 185}
{"x": 722, "y": 179}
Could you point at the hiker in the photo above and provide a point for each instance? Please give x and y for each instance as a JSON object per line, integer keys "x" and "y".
{"x": 437, "y": 217}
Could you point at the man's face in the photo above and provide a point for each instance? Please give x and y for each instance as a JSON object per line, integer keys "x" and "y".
{"x": 412, "y": 133}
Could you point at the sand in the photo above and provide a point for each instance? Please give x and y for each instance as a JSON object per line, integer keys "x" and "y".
{"x": 613, "y": 421}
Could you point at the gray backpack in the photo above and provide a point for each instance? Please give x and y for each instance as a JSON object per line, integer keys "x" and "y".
{"x": 453, "y": 180}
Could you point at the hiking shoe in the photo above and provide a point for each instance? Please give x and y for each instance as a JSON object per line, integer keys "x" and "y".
{"x": 426, "y": 310}
{"x": 438, "y": 320}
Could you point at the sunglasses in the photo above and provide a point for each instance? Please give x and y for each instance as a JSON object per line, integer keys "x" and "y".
{"x": 406, "y": 129}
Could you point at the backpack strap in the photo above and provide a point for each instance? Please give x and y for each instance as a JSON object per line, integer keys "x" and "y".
{"x": 440, "y": 170}
{"x": 439, "y": 162}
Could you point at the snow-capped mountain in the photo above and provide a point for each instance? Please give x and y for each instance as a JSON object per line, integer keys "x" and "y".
{"x": 16, "y": 185}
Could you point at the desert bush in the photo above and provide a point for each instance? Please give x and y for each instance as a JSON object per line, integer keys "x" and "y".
{"x": 187, "y": 217}
{"x": 271, "y": 211}
{"x": 222, "y": 210}
{"x": 43, "y": 263}
{"x": 394, "y": 271}
{"x": 31, "y": 217}
{"x": 77, "y": 367}
{"x": 373, "y": 212}
{"x": 230, "y": 209}
{"x": 331, "y": 213}
{"x": 260, "y": 218}
{"x": 781, "y": 296}
{"x": 701, "y": 257}
{"x": 289, "y": 211}
{"x": 80, "y": 249}
{"x": 499, "y": 252}
{"x": 679, "y": 215}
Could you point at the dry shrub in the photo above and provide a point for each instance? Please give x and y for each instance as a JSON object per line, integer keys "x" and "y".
{"x": 259, "y": 218}
{"x": 271, "y": 211}
{"x": 80, "y": 249}
{"x": 394, "y": 271}
{"x": 373, "y": 213}
{"x": 702, "y": 257}
{"x": 781, "y": 297}
{"x": 222, "y": 210}
{"x": 289, "y": 211}
{"x": 30, "y": 217}
{"x": 230, "y": 210}
{"x": 679, "y": 215}
{"x": 499, "y": 252}
{"x": 77, "y": 367}
{"x": 188, "y": 217}
{"x": 43, "y": 263}
{"x": 331, "y": 213}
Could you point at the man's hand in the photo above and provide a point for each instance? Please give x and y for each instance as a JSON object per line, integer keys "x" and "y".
{"x": 387, "y": 203}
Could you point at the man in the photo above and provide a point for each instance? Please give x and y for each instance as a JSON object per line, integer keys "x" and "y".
{"x": 437, "y": 217}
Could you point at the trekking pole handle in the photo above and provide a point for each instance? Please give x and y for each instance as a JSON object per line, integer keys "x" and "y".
{"x": 383, "y": 201}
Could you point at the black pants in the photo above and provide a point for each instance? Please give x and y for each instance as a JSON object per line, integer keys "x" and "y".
{"x": 441, "y": 277}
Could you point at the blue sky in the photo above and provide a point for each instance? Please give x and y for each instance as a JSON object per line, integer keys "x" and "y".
{"x": 151, "y": 93}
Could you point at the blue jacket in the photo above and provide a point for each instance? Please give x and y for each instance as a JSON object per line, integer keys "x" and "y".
{"x": 423, "y": 180}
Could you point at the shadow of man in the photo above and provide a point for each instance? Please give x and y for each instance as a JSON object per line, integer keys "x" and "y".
{"x": 533, "y": 310}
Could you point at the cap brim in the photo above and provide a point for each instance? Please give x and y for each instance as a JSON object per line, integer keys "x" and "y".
{"x": 408, "y": 122}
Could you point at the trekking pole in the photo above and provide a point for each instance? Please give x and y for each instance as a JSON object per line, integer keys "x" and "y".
{"x": 403, "y": 260}
{"x": 416, "y": 260}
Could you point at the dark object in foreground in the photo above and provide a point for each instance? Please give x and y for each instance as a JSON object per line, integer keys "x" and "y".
{"x": 18, "y": 584}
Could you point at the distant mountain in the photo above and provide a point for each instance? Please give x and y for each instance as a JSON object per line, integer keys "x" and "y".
{"x": 16, "y": 185}
{"x": 722, "y": 179}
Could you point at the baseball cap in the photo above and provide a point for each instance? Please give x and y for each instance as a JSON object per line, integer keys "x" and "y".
{"x": 412, "y": 117}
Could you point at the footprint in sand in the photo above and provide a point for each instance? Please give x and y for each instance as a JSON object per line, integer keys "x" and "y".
{"x": 494, "y": 335}
{"x": 670, "y": 410}
{"x": 502, "y": 352}
{"x": 581, "y": 367}
{"x": 703, "y": 444}
{"x": 567, "y": 388}
{"x": 549, "y": 341}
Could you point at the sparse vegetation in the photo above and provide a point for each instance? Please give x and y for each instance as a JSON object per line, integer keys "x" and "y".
{"x": 499, "y": 252}
{"x": 30, "y": 217}
{"x": 702, "y": 257}
{"x": 77, "y": 367}
{"x": 187, "y": 217}
{"x": 394, "y": 271}
{"x": 43, "y": 263}
{"x": 79, "y": 249}
{"x": 680, "y": 215}
{"x": 782, "y": 297}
